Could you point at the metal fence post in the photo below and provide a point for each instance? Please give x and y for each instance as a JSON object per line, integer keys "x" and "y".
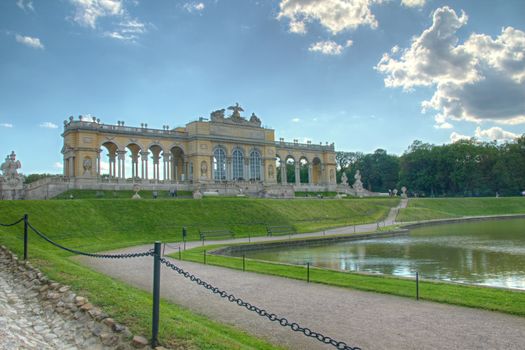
{"x": 180, "y": 254}
{"x": 25, "y": 236}
{"x": 244, "y": 262}
{"x": 417, "y": 285}
{"x": 156, "y": 295}
{"x": 204, "y": 256}
{"x": 308, "y": 272}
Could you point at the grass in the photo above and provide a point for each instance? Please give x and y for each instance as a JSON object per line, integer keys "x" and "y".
{"x": 507, "y": 301}
{"x": 95, "y": 225}
{"x": 109, "y": 224}
{"x": 420, "y": 209}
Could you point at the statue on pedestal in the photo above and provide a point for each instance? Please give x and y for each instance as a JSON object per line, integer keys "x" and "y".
{"x": 9, "y": 170}
{"x": 236, "y": 115}
{"x": 358, "y": 185}
{"x": 344, "y": 179}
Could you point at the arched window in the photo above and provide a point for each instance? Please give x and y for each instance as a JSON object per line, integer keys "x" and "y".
{"x": 219, "y": 165}
{"x": 255, "y": 165}
{"x": 238, "y": 162}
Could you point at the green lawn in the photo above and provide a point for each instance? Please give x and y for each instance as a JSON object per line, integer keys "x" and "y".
{"x": 443, "y": 208}
{"x": 508, "y": 301}
{"x": 95, "y": 225}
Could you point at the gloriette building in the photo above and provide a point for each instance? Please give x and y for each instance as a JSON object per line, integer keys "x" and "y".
{"x": 229, "y": 154}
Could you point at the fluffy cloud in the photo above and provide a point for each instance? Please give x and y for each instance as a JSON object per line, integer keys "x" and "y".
{"x": 334, "y": 15}
{"x": 413, "y": 3}
{"x": 455, "y": 137}
{"x": 29, "y": 41}
{"x": 194, "y": 6}
{"x": 481, "y": 79}
{"x": 495, "y": 133}
{"x": 296, "y": 120}
{"x": 329, "y": 47}
{"x": 6, "y": 125}
{"x": 88, "y": 12}
{"x": 48, "y": 125}
{"x": 326, "y": 47}
{"x": 25, "y": 5}
{"x": 58, "y": 165}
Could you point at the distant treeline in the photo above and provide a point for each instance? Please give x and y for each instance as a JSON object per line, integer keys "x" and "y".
{"x": 463, "y": 168}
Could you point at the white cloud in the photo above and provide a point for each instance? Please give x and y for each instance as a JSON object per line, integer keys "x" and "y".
{"x": 413, "y": 3}
{"x": 29, "y": 41}
{"x": 87, "y": 12}
{"x": 58, "y": 165}
{"x": 334, "y": 15}
{"x": 48, "y": 125}
{"x": 326, "y": 47}
{"x": 128, "y": 30}
{"x": 122, "y": 27}
{"x": 481, "y": 79}
{"x": 445, "y": 125}
{"x": 6, "y": 125}
{"x": 495, "y": 133}
{"x": 296, "y": 120}
{"x": 455, "y": 137}
{"x": 194, "y": 7}
{"x": 25, "y": 5}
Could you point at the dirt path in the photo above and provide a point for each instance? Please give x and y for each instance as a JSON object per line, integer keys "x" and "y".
{"x": 367, "y": 320}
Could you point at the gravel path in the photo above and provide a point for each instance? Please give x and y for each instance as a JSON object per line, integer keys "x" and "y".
{"x": 367, "y": 320}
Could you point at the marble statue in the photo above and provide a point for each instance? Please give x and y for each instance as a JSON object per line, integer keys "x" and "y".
{"x": 217, "y": 115}
{"x": 358, "y": 185}
{"x": 10, "y": 170}
{"x": 236, "y": 115}
{"x": 344, "y": 179}
{"x": 255, "y": 120}
{"x": 404, "y": 192}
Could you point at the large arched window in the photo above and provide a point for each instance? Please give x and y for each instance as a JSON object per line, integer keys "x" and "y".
{"x": 238, "y": 162}
{"x": 255, "y": 165}
{"x": 219, "y": 165}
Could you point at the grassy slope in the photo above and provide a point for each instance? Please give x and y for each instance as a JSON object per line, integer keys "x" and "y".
{"x": 94, "y": 225}
{"x": 443, "y": 208}
{"x": 106, "y": 224}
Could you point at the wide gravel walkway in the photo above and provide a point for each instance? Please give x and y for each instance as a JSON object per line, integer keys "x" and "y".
{"x": 367, "y": 320}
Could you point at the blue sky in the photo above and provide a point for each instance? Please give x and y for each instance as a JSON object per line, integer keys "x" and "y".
{"x": 364, "y": 74}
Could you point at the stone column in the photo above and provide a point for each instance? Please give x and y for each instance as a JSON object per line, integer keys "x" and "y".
{"x": 166, "y": 158}
{"x": 263, "y": 169}
{"x": 111, "y": 162}
{"x": 98, "y": 162}
{"x": 297, "y": 173}
{"x": 119, "y": 161}
{"x": 156, "y": 159}
{"x": 310, "y": 173}
{"x": 122, "y": 166}
{"x": 144, "y": 158}
{"x": 284, "y": 180}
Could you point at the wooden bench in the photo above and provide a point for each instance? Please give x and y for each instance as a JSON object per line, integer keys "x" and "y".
{"x": 280, "y": 230}
{"x": 215, "y": 234}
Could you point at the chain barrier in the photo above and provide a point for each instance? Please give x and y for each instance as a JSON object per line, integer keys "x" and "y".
{"x": 261, "y": 312}
{"x": 93, "y": 255}
{"x": 13, "y": 224}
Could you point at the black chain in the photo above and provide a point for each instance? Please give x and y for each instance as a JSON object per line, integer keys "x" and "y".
{"x": 13, "y": 224}
{"x": 93, "y": 255}
{"x": 261, "y": 312}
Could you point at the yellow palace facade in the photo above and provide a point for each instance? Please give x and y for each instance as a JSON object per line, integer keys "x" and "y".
{"x": 224, "y": 151}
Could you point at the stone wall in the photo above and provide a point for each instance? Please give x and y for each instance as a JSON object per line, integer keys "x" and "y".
{"x": 61, "y": 315}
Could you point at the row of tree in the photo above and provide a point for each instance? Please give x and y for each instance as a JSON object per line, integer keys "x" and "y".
{"x": 463, "y": 168}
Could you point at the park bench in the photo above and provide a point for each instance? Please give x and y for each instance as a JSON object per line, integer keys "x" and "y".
{"x": 215, "y": 234}
{"x": 280, "y": 230}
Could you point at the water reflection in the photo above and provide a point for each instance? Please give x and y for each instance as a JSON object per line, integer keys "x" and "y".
{"x": 486, "y": 253}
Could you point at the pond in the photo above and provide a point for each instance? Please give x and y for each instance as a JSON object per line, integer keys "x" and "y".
{"x": 490, "y": 253}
